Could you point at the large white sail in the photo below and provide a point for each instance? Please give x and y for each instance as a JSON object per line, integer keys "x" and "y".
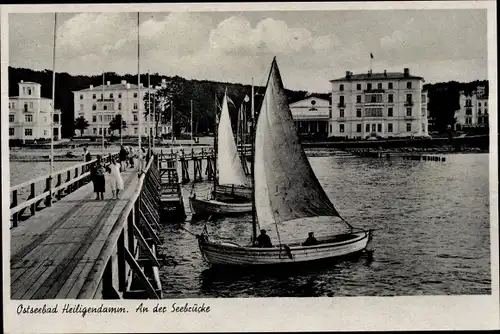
{"x": 286, "y": 187}
{"x": 229, "y": 167}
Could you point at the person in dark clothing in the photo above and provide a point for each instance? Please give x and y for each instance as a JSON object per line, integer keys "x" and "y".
{"x": 311, "y": 240}
{"x": 97, "y": 175}
{"x": 123, "y": 158}
{"x": 86, "y": 155}
{"x": 263, "y": 240}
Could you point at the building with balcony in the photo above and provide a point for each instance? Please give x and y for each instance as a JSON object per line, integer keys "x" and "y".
{"x": 99, "y": 105}
{"x": 30, "y": 115}
{"x": 473, "y": 110}
{"x": 388, "y": 104}
{"x": 311, "y": 116}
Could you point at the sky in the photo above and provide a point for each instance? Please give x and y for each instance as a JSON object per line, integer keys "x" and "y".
{"x": 311, "y": 47}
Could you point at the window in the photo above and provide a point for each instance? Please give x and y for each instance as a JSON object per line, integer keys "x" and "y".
{"x": 81, "y": 96}
{"x": 479, "y": 111}
{"x": 135, "y": 95}
{"x": 119, "y": 95}
{"x": 367, "y": 128}
{"x": 13, "y": 105}
{"x": 390, "y": 98}
{"x": 341, "y": 88}
{"x": 358, "y": 86}
{"x": 31, "y": 105}
{"x": 479, "y": 104}
{"x": 379, "y": 127}
{"x": 11, "y": 132}
{"x": 373, "y": 98}
{"x": 389, "y": 127}
{"x": 341, "y": 128}
{"x": 135, "y": 130}
{"x": 11, "y": 118}
{"x": 135, "y": 105}
{"x": 358, "y": 112}
{"x": 45, "y": 132}
{"x": 373, "y": 112}
{"x": 100, "y": 118}
{"x": 93, "y": 96}
{"x": 468, "y": 111}
{"x": 485, "y": 104}
{"x": 330, "y": 128}
{"x": 341, "y": 113}
{"x": 374, "y": 127}
{"x": 105, "y": 107}
{"x": 379, "y": 85}
{"x": 25, "y": 107}
{"x": 28, "y": 132}
{"x": 29, "y": 90}
{"x": 389, "y": 85}
{"x": 341, "y": 100}
{"x": 94, "y": 131}
{"x": 358, "y": 98}
{"x": 110, "y": 95}
{"x": 358, "y": 127}
{"x": 94, "y": 107}
{"x": 330, "y": 113}
{"x": 368, "y": 86}
{"x": 28, "y": 118}
{"x": 94, "y": 118}
{"x": 81, "y": 107}
{"x": 56, "y": 118}
{"x": 485, "y": 111}
{"x": 100, "y": 131}
{"x": 135, "y": 118}
{"x": 390, "y": 112}
{"x": 408, "y": 85}
{"x": 408, "y": 98}
{"x": 24, "y": 90}
{"x": 119, "y": 106}
{"x": 408, "y": 127}
{"x": 102, "y": 96}
{"x": 408, "y": 112}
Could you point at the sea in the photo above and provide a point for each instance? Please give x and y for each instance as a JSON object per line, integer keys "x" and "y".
{"x": 432, "y": 238}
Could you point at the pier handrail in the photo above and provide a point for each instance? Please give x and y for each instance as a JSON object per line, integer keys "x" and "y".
{"x": 82, "y": 171}
{"x": 92, "y": 282}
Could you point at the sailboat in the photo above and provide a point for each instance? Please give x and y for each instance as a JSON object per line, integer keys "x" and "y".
{"x": 229, "y": 173}
{"x": 286, "y": 194}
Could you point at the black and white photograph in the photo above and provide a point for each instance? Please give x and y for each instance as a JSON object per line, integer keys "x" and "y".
{"x": 189, "y": 163}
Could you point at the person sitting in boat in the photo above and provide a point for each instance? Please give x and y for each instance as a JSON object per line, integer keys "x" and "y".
{"x": 263, "y": 240}
{"x": 311, "y": 240}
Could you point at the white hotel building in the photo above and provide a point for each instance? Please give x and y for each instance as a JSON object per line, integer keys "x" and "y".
{"x": 378, "y": 105}
{"x": 473, "y": 110}
{"x": 99, "y": 105}
{"x": 29, "y": 115}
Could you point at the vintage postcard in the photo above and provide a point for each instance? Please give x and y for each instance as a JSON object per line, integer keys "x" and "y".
{"x": 249, "y": 167}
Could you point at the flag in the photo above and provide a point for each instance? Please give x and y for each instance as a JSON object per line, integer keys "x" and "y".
{"x": 371, "y": 55}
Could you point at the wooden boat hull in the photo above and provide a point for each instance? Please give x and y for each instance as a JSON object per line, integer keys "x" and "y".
{"x": 213, "y": 207}
{"x": 233, "y": 191}
{"x": 231, "y": 254}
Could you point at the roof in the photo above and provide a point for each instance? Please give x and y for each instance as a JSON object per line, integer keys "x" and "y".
{"x": 29, "y": 82}
{"x": 378, "y": 76}
{"x": 29, "y": 98}
{"x": 111, "y": 87}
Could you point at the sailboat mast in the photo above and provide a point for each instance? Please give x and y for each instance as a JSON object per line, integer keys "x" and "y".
{"x": 191, "y": 123}
{"x": 102, "y": 115}
{"x": 154, "y": 117}
{"x": 139, "y": 94}
{"x": 172, "y": 120}
{"x": 148, "y": 117}
{"x": 53, "y": 101}
{"x": 215, "y": 142}
{"x": 252, "y": 168}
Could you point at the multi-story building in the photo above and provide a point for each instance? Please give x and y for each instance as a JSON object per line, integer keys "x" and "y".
{"x": 388, "y": 104}
{"x": 99, "y": 105}
{"x": 30, "y": 115}
{"x": 473, "y": 110}
{"x": 311, "y": 116}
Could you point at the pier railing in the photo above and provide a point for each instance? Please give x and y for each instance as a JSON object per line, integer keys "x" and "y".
{"x": 43, "y": 189}
{"x": 191, "y": 154}
{"x": 127, "y": 266}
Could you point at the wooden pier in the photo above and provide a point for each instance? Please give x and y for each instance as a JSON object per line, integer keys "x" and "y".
{"x": 82, "y": 248}
{"x": 388, "y": 155}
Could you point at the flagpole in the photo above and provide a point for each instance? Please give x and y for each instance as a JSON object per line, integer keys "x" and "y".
{"x": 252, "y": 168}
{"x": 148, "y": 117}
{"x": 139, "y": 94}
{"x": 154, "y": 117}
{"x": 53, "y": 107}
{"x": 102, "y": 116}
{"x": 191, "y": 123}
{"x": 172, "y": 121}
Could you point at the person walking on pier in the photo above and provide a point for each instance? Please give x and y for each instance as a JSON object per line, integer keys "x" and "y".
{"x": 123, "y": 158}
{"x": 115, "y": 178}
{"x": 97, "y": 175}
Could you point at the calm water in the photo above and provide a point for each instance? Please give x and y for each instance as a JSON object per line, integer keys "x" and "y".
{"x": 434, "y": 239}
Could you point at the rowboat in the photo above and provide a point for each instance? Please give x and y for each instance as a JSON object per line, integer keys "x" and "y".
{"x": 229, "y": 175}
{"x": 286, "y": 195}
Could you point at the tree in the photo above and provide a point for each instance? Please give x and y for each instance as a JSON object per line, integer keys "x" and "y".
{"x": 81, "y": 124}
{"x": 114, "y": 125}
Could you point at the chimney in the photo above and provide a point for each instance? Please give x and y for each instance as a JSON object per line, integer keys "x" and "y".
{"x": 406, "y": 71}
{"x": 348, "y": 74}
{"x": 124, "y": 82}
{"x": 385, "y": 73}
{"x": 108, "y": 83}
{"x": 128, "y": 86}
{"x": 369, "y": 73}
{"x": 91, "y": 86}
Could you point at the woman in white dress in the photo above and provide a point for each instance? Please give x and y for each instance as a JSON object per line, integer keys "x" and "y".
{"x": 115, "y": 178}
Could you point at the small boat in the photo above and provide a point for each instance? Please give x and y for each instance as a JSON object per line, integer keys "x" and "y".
{"x": 229, "y": 175}
{"x": 286, "y": 194}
